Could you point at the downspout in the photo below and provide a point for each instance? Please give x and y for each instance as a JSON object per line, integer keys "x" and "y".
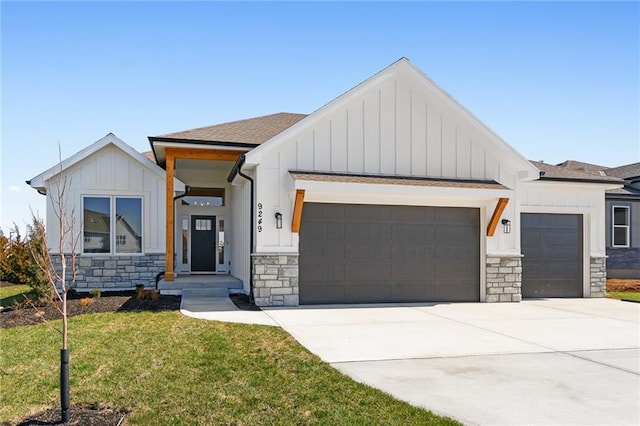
{"x": 237, "y": 170}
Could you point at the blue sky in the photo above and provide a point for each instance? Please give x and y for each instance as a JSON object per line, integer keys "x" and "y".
{"x": 556, "y": 80}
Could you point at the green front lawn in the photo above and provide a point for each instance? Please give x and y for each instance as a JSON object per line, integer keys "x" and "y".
{"x": 170, "y": 369}
{"x": 13, "y": 294}
{"x": 632, "y": 295}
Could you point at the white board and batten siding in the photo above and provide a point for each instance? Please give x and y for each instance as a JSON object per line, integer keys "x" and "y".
{"x": 112, "y": 172}
{"x": 394, "y": 126}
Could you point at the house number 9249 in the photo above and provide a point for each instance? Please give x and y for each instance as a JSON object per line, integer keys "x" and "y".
{"x": 259, "y": 217}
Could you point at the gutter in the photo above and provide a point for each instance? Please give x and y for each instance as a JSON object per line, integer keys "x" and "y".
{"x": 580, "y": 180}
{"x": 40, "y": 191}
{"x": 235, "y": 171}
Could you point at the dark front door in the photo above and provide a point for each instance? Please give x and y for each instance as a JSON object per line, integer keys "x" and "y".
{"x": 374, "y": 253}
{"x": 203, "y": 243}
{"x": 552, "y": 255}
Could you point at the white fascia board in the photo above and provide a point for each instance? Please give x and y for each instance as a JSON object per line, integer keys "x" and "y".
{"x": 362, "y": 193}
{"x": 160, "y": 146}
{"x": 39, "y": 182}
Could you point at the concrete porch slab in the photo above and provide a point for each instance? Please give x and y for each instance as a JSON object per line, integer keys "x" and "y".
{"x": 199, "y": 282}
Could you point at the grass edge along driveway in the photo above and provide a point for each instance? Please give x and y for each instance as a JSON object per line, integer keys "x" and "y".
{"x": 168, "y": 369}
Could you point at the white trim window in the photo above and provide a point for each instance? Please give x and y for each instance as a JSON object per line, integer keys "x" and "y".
{"x": 112, "y": 225}
{"x": 621, "y": 226}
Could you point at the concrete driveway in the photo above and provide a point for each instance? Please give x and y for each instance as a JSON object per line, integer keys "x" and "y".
{"x": 555, "y": 361}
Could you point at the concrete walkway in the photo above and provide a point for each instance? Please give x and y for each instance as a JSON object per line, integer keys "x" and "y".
{"x": 216, "y": 306}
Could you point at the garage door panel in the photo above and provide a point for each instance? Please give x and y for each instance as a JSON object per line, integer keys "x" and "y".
{"x": 412, "y": 215}
{"x": 334, "y": 272}
{"x": 449, "y": 253}
{"x": 325, "y": 212}
{"x": 552, "y": 246}
{"x": 413, "y": 252}
{"x": 561, "y": 238}
{"x": 359, "y": 292}
{"x": 363, "y": 213}
{"x": 552, "y": 271}
{"x": 366, "y": 232}
{"x": 419, "y": 233}
{"x": 325, "y": 250}
{"x": 367, "y": 271}
{"x": 389, "y": 254}
{"x": 409, "y": 270}
{"x": 454, "y": 272}
{"x": 459, "y": 235}
{"x": 357, "y": 251}
{"x": 455, "y": 216}
{"x": 456, "y": 291}
{"x": 319, "y": 290}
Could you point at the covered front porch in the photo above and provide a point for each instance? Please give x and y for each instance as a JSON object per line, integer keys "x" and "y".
{"x": 206, "y": 225}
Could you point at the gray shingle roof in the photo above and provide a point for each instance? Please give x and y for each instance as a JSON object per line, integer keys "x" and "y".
{"x": 582, "y": 167}
{"x": 252, "y": 130}
{"x": 627, "y": 191}
{"x": 627, "y": 171}
{"x": 149, "y": 156}
{"x": 552, "y": 172}
{"x": 394, "y": 180}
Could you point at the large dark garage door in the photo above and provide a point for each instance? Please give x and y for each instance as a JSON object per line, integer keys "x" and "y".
{"x": 371, "y": 253}
{"x": 552, "y": 249}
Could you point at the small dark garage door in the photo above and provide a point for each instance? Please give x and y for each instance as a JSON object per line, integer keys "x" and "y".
{"x": 371, "y": 253}
{"x": 552, "y": 249}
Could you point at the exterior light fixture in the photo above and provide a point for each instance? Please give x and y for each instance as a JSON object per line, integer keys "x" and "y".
{"x": 278, "y": 220}
{"x": 506, "y": 226}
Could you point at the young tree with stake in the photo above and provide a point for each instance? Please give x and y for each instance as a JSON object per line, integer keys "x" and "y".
{"x": 61, "y": 278}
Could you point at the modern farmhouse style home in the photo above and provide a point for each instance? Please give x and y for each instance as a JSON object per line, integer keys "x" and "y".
{"x": 392, "y": 192}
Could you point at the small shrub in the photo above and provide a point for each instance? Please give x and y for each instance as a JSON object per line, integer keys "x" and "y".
{"x": 142, "y": 294}
{"x": 95, "y": 293}
{"x": 18, "y": 265}
{"x": 86, "y": 301}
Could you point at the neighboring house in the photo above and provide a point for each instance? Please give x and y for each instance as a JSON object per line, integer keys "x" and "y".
{"x": 392, "y": 192}
{"x": 622, "y": 218}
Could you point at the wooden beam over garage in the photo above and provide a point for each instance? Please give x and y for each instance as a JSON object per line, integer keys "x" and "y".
{"x": 493, "y": 223}
{"x": 297, "y": 211}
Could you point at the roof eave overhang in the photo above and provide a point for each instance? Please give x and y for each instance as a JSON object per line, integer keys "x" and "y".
{"x": 609, "y": 195}
{"x": 158, "y": 145}
{"x": 611, "y": 184}
{"x": 395, "y": 193}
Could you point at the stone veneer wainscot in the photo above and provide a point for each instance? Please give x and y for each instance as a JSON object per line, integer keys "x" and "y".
{"x": 598, "y": 276}
{"x": 115, "y": 272}
{"x": 504, "y": 279}
{"x": 275, "y": 279}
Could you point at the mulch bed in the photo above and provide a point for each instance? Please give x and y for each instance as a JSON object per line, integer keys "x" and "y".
{"x": 242, "y": 302}
{"x": 114, "y": 301}
{"x": 78, "y": 416}
{"x": 623, "y": 285}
